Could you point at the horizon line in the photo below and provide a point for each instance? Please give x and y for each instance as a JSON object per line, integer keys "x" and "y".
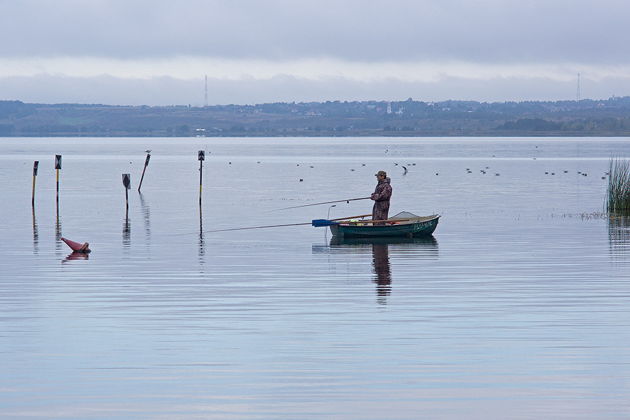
{"x": 613, "y": 97}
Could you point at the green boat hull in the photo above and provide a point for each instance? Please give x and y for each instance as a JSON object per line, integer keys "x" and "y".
{"x": 408, "y": 230}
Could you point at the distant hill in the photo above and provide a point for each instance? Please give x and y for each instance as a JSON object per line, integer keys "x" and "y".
{"x": 609, "y": 117}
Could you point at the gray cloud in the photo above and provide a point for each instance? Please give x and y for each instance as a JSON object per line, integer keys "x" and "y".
{"x": 170, "y": 91}
{"x": 254, "y": 51}
{"x": 500, "y": 31}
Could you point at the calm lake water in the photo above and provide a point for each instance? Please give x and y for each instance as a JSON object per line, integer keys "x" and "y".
{"x": 518, "y": 307}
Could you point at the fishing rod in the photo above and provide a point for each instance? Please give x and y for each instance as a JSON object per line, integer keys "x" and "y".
{"x": 325, "y": 202}
{"x": 289, "y": 224}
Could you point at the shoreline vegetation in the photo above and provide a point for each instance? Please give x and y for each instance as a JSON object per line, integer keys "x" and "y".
{"x": 618, "y": 193}
{"x": 410, "y": 118}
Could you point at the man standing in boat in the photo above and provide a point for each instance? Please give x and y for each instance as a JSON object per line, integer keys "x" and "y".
{"x": 381, "y": 196}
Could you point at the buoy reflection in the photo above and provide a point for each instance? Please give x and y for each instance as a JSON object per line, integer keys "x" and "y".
{"x": 75, "y": 255}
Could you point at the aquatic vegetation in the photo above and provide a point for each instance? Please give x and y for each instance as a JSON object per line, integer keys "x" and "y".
{"x": 618, "y": 195}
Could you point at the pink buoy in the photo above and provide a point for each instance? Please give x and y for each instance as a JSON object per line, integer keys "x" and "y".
{"x": 77, "y": 247}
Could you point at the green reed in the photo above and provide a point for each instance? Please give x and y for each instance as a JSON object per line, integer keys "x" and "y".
{"x": 618, "y": 196}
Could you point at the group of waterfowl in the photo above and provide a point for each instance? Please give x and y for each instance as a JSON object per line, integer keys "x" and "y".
{"x": 483, "y": 171}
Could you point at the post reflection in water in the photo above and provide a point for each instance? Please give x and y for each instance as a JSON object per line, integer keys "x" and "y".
{"x": 619, "y": 237}
{"x": 420, "y": 248}
{"x": 202, "y": 248}
{"x": 146, "y": 214}
{"x": 35, "y": 234}
{"x": 58, "y": 235}
{"x": 126, "y": 233}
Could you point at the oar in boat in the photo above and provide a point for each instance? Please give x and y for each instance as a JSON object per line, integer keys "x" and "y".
{"x": 313, "y": 223}
{"x": 326, "y": 222}
{"x": 390, "y": 221}
{"x": 325, "y": 202}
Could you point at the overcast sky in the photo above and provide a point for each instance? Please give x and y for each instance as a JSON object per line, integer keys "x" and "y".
{"x": 157, "y": 52}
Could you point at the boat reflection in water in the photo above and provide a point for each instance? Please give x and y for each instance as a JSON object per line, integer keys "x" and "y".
{"x": 425, "y": 247}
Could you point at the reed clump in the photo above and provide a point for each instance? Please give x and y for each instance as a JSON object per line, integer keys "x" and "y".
{"x": 618, "y": 196}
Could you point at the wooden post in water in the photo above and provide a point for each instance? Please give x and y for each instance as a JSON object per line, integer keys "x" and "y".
{"x": 201, "y": 155}
{"x": 146, "y": 163}
{"x": 35, "y": 166}
{"x": 57, "y": 168}
{"x": 126, "y": 180}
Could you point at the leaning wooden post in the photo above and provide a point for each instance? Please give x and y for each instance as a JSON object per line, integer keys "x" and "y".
{"x": 201, "y": 155}
{"x": 146, "y": 163}
{"x": 35, "y": 166}
{"x": 126, "y": 180}
{"x": 57, "y": 168}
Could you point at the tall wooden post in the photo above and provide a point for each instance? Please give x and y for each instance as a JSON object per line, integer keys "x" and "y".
{"x": 146, "y": 163}
{"x": 201, "y": 155}
{"x": 35, "y": 167}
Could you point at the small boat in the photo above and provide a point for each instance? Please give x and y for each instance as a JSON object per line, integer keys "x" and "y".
{"x": 404, "y": 224}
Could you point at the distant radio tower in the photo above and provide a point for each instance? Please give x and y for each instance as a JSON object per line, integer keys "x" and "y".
{"x": 205, "y": 95}
{"x": 578, "y": 88}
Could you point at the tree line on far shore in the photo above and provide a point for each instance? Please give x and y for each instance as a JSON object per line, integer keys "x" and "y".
{"x": 609, "y": 117}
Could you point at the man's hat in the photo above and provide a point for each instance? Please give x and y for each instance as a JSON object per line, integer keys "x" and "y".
{"x": 381, "y": 173}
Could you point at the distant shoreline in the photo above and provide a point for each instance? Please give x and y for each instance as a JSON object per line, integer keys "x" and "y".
{"x": 236, "y": 136}
{"x": 585, "y": 118}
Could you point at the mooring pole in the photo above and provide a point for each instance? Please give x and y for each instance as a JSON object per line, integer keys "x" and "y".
{"x": 201, "y": 155}
{"x": 57, "y": 168}
{"x": 146, "y": 163}
{"x": 35, "y": 166}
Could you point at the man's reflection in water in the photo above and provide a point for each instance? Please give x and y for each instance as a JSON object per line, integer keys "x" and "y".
{"x": 423, "y": 248}
{"x": 382, "y": 269}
